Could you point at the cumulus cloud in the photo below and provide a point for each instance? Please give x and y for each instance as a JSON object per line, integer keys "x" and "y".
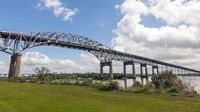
{"x": 4, "y": 66}
{"x": 85, "y": 63}
{"x": 177, "y": 42}
{"x": 58, "y": 9}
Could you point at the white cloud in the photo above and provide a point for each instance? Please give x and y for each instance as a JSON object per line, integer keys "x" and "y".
{"x": 4, "y": 66}
{"x": 35, "y": 58}
{"x": 177, "y": 42}
{"x": 86, "y": 63}
{"x": 58, "y": 9}
{"x": 177, "y": 11}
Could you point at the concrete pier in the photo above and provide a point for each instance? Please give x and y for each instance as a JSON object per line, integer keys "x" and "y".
{"x": 109, "y": 64}
{"x": 142, "y": 74}
{"x": 15, "y": 65}
{"x": 133, "y": 72}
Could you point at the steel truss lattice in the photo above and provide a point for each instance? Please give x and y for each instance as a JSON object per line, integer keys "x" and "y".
{"x": 12, "y": 43}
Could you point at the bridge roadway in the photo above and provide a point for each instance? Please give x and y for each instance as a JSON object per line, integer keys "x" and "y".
{"x": 15, "y": 43}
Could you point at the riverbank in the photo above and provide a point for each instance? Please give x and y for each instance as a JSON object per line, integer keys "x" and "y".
{"x": 27, "y": 97}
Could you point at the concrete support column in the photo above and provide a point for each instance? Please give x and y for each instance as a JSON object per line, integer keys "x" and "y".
{"x": 11, "y": 68}
{"x": 15, "y": 65}
{"x": 101, "y": 70}
{"x": 141, "y": 73}
{"x": 144, "y": 75}
{"x": 133, "y": 72}
{"x": 111, "y": 70}
{"x": 102, "y": 64}
{"x": 125, "y": 75}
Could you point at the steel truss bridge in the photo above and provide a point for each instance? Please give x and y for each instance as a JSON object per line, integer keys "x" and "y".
{"x": 15, "y": 43}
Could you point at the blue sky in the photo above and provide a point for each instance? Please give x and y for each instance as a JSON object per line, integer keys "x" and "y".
{"x": 95, "y": 19}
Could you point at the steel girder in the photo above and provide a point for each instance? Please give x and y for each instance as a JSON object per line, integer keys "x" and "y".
{"x": 12, "y": 43}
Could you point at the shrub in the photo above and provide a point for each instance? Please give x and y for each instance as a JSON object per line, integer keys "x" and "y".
{"x": 188, "y": 87}
{"x": 137, "y": 84}
{"x": 77, "y": 82}
{"x": 33, "y": 81}
{"x": 159, "y": 91}
{"x": 109, "y": 86}
{"x": 173, "y": 90}
{"x": 171, "y": 84}
{"x": 55, "y": 82}
{"x": 148, "y": 87}
{"x": 164, "y": 80}
{"x": 96, "y": 84}
{"x": 139, "y": 88}
{"x": 65, "y": 82}
{"x": 16, "y": 79}
{"x": 86, "y": 82}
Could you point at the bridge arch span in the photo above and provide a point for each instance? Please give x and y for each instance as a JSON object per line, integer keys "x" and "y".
{"x": 15, "y": 43}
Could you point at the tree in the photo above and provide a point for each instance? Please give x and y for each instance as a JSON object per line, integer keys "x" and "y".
{"x": 42, "y": 73}
{"x": 164, "y": 80}
{"x": 41, "y": 70}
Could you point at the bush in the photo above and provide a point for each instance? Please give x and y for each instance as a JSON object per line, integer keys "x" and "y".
{"x": 87, "y": 82}
{"x": 109, "y": 86}
{"x": 148, "y": 87}
{"x": 188, "y": 87}
{"x": 171, "y": 84}
{"x": 65, "y": 82}
{"x": 137, "y": 84}
{"x": 173, "y": 90}
{"x": 164, "y": 80}
{"x": 55, "y": 83}
{"x": 16, "y": 79}
{"x": 33, "y": 81}
{"x": 139, "y": 88}
{"x": 77, "y": 82}
{"x": 97, "y": 84}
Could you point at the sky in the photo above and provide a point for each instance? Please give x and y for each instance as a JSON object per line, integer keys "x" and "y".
{"x": 166, "y": 30}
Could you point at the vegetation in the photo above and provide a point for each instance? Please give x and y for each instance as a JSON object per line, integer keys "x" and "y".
{"x": 43, "y": 92}
{"x": 33, "y": 97}
{"x": 171, "y": 83}
{"x": 165, "y": 82}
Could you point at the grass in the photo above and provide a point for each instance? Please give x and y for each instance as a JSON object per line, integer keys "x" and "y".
{"x": 26, "y": 97}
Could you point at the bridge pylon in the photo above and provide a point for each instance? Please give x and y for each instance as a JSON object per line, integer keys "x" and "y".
{"x": 142, "y": 74}
{"x": 15, "y": 65}
{"x": 109, "y": 64}
{"x": 133, "y": 72}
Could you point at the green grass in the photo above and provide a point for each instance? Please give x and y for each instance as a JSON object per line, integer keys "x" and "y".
{"x": 26, "y": 97}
